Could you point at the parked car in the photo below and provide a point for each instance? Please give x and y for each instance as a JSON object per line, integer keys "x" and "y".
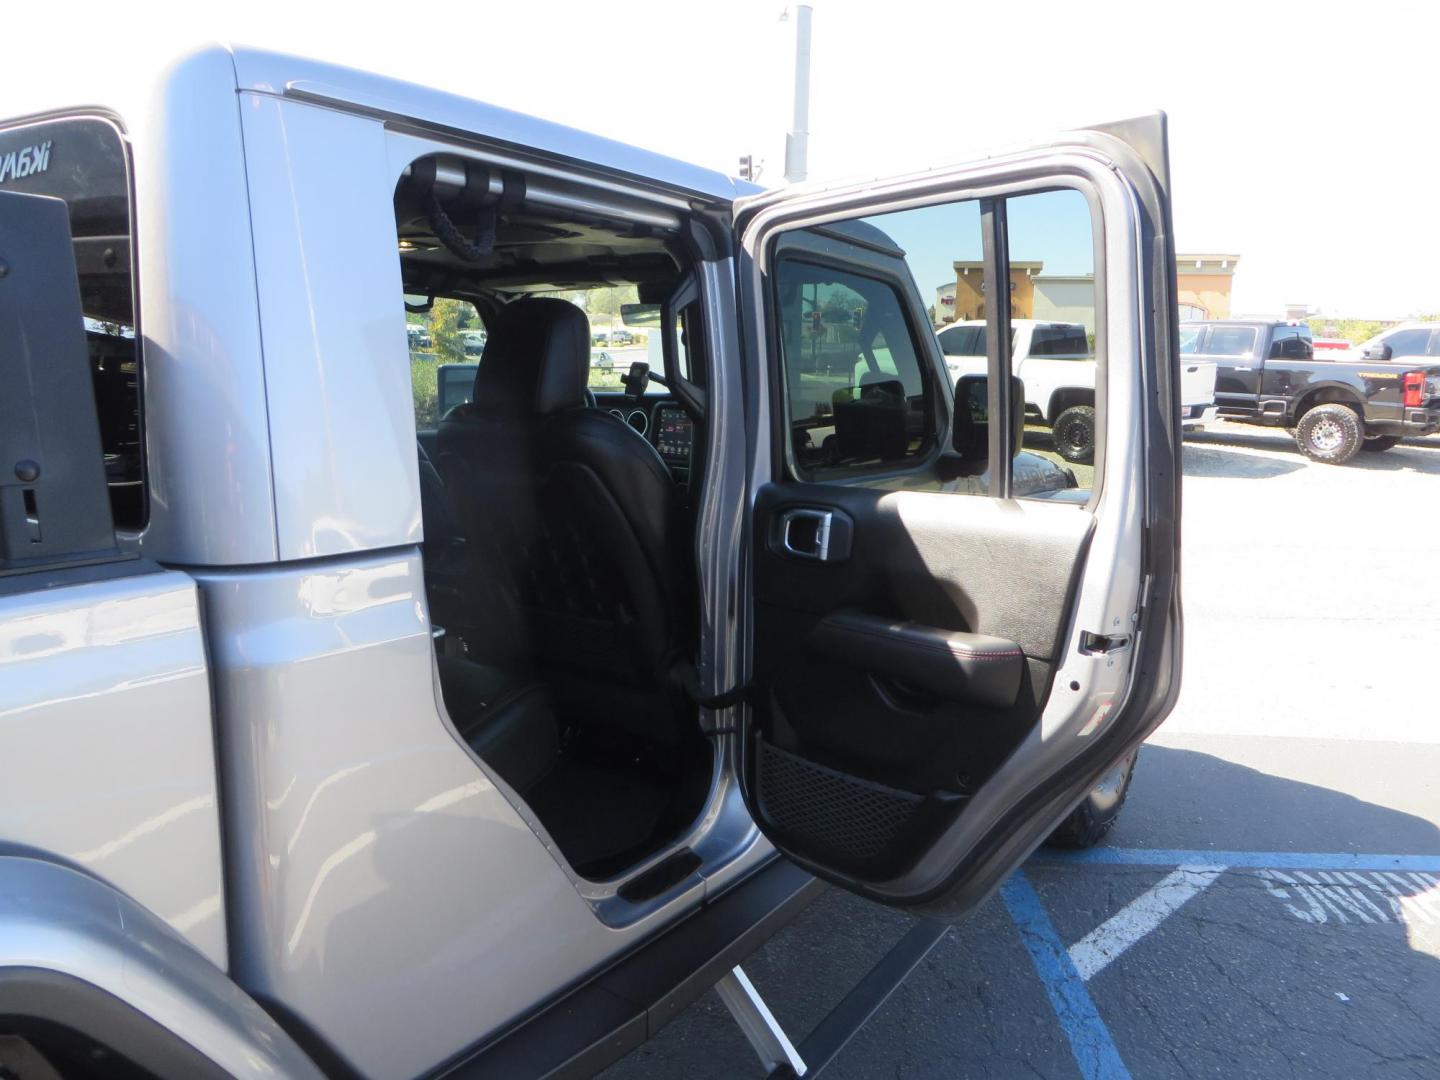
{"x": 621, "y": 337}
{"x": 340, "y": 747}
{"x": 1269, "y": 374}
{"x": 419, "y": 337}
{"x": 473, "y": 341}
{"x": 600, "y": 337}
{"x": 1057, "y": 365}
{"x": 601, "y": 360}
{"x": 1409, "y": 342}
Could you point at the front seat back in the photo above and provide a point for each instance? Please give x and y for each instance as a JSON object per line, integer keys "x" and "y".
{"x": 573, "y": 523}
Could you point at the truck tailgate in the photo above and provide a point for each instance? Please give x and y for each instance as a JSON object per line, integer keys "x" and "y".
{"x": 1197, "y": 382}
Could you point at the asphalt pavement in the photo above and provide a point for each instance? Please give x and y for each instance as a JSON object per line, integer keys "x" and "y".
{"x": 1269, "y": 903}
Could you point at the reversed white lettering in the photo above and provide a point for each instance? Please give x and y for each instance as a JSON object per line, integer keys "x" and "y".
{"x": 18, "y": 164}
{"x": 1378, "y": 896}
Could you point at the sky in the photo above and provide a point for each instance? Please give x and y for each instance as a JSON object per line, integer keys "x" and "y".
{"x": 1302, "y": 135}
{"x": 1049, "y": 227}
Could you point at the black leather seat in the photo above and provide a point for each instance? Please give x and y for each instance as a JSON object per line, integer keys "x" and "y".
{"x": 573, "y": 527}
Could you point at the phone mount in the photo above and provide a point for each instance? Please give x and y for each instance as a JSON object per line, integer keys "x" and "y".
{"x": 637, "y": 380}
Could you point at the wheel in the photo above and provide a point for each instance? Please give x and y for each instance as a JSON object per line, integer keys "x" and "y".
{"x": 1376, "y": 443}
{"x": 1091, "y": 820}
{"x": 1330, "y": 433}
{"x": 1074, "y": 432}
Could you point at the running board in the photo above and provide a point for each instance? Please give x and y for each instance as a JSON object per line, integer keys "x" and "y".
{"x": 778, "y": 1056}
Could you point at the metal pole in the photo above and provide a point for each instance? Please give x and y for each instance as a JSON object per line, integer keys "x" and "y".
{"x": 798, "y": 140}
{"x": 764, "y": 1033}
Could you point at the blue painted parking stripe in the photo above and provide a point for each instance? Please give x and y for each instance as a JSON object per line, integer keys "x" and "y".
{"x": 1243, "y": 860}
{"x": 1089, "y": 1038}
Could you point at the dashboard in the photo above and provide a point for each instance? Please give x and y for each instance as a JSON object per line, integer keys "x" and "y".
{"x": 664, "y": 423}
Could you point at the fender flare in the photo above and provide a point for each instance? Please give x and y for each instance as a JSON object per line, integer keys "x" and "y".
{"x": 1345, "y": 394}
{"x": 77, "y": 953}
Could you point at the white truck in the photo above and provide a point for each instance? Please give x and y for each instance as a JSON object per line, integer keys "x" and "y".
{"x": 1056, "y": 363}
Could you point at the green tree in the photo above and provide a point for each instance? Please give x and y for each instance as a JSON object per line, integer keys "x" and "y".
{"x": 447, "y": 318}
{"x": 1352, "y": 330}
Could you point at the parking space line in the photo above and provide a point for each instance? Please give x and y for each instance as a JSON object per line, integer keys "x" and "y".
{"x": 1090, "y": 1042}
{"x": 1111, "y": 938}
{"x": 1243, "y": 860}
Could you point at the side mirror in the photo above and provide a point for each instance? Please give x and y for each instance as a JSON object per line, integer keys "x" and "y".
{"x": 454, "y": 385}
{"x": 971, "y": 438}
{"x": 1380, "y": 352}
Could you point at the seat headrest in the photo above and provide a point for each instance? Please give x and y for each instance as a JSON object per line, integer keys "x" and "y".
{"x": 536, "y": 358}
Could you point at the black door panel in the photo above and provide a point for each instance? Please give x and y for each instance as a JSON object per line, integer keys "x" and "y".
{"x": 892, "y": 682}
{"x": 950, "y": 562}
{"x": 951, "y": 664}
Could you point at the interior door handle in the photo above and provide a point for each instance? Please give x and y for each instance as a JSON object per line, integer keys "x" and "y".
{"x": 805, "y": 533}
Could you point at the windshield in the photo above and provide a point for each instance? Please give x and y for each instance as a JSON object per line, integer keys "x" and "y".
{"x": 614, "y": 347}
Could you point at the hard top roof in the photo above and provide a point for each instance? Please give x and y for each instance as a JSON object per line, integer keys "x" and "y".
{"x": 397, "y": 101}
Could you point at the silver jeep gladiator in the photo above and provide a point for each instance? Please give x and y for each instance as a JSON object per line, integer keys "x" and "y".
{"x": 343, "y": 736}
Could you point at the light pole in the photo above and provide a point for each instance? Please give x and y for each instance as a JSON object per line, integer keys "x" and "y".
{"x": 797, "y": 141}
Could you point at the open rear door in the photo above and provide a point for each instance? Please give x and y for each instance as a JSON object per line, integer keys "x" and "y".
{"x": 957, "y": 630}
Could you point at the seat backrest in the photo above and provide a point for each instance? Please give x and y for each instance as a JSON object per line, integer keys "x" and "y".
{"x": 571, "y": 516}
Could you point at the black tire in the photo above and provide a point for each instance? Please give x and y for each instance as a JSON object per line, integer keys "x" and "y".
{"x": 1330, "y": 434}
{"x": 1092, "y": 819}
{"x": 1377, "y": 443}
{"x": 1074, "y": 434}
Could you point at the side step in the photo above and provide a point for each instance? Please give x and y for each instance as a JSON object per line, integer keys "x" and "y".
{"x": 778, "y": 1056}
{"x": 603, "y": 1019}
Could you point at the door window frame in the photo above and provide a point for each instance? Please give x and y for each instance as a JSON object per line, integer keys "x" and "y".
{"x": 783, "y": 461}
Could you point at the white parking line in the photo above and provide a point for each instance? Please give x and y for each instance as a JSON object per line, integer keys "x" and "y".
{"x": 1111, "y": 938}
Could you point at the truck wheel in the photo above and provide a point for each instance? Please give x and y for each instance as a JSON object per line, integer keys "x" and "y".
{"x": 1377, "y": 443}
{"x": 1329, "y": 433}
{"x": 1091, "y": 820}
{"x": 1074, "y": 433}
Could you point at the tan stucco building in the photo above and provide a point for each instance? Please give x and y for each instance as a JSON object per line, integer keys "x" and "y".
{"x": 970, "y": 291}
{"x": 1203, "y": 286}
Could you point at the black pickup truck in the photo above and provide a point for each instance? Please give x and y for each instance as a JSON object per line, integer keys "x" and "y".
{"x": 1267, "y": 373}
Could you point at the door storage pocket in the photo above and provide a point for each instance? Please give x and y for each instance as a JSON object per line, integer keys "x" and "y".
{"x": 865, "y": 827}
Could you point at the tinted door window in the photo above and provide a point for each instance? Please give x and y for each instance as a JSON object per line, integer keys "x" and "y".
{"x": 1288, "y": 343}
{"x": 963, "y": 341}
{"x": 858, "y": 395}
{"x": 1057, "y": 340}
{"x": 1407, "y": 343}
{"x": 1231, "y": 341}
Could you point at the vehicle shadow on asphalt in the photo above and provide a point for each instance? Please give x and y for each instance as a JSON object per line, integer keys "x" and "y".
{"x": 1182, "y": 798}
{"x": 1413, "y": 455}
{"x": 1217, "y": 460}
{"x": 976, "y": 1007}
